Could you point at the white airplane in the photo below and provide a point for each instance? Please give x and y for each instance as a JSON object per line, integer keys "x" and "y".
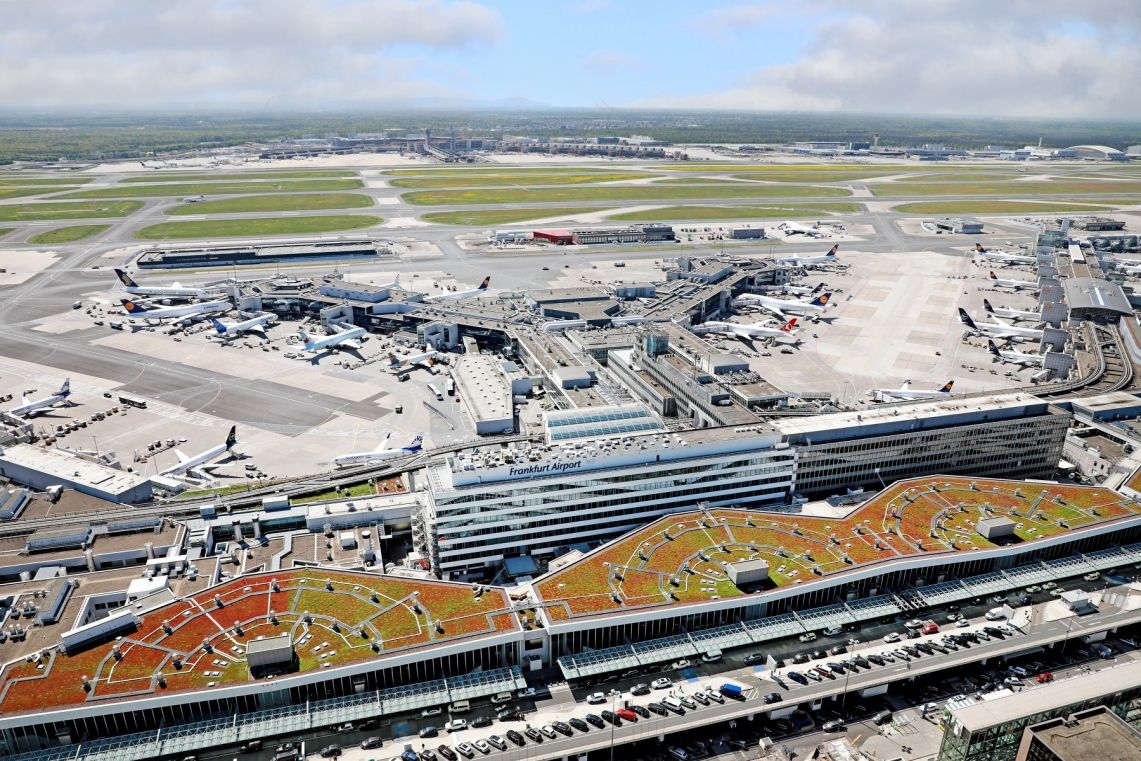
{"x": 795, "y": 228}
{"x": 998, "y": 329}
{"x": 345, "y": 339}
{"x": 792, "y": 290}
{"x": 783, "y": 307}
{"x": 200, "y": 465}
{"x": 380, "y": 454}
{"x": 803, "y": 261}
{"x": 1016, "y": 285}
{"x": 134, "y": 309}
{"x": 175, "y": 290}
{"x": 395, "y": 283}
{"x": 1015, "y": 357}
{"x": 400, "y": 365}
{"x": 32, "y": 408}
{"x": 457, "y": 295}
{"x": 1129, "y": 269}
{"x": 905, "y": 392}
{"x": 788, "y": 330}
{"x": 1013, "y": 314}
{"x": 1003, "y": 256}
{"x": 236, "y": 329}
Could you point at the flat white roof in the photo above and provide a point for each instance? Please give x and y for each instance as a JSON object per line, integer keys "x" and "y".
{"x": 69, "y": 467}
{"x": 484, "y": 386}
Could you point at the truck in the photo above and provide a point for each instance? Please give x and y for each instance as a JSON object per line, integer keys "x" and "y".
{"x": 450, "y": 387}
{"x": 132, "y": 402}
{"x": 734, "y": 691}
{"x": 436, "y": 392}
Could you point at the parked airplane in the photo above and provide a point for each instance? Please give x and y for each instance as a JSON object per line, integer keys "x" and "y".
{"x": 792, "y": 290}
{"x": 1014, "y": 314}
{"x": 200, "y": 465}
{"x": 998, "y": 329}
{"x": 1003, "y": 256}
{"x": 345, "y": 339}
{"x": 783, "y": 307}
{"x": 1016, "y": 285}
{"x": 794, "y": 228}
{"x": 1015, "y": 357}
{"x": 907, "y": 392}
{"x": 134, "y": 309}
{"x": 747, "y": 332}
{"x": 457, "y": 295}
{"x": 175, "y": 290}
{"x": 803, "y": 261}
{"x": 235, "y": 329}
{"x": 400, "y": 365}
{"x": 395, "y": 283}
{"x": 32, "y": 408}
{"x": 380, "y": 454}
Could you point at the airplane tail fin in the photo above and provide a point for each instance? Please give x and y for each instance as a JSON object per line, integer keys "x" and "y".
{"x": 832, "y": 251}
{"x": 819, "y": 287}
{"x": 132, "y": 307}
{"x": 788, "y": 326}
{"x": 232, "y": 437}
{"x": 966, "y": 319}
{"x": 993, "y": 276}
{"x": 303, "y": 335}
{"x": 486, "y": 282}
{"x": 821, "y": 300}
{"x": 986, "y": 305}
{"x": 416, "y": 444}
{"x": 993, "y": 349}
{"x": 947, "y": 387}
{"x": 125, "y": 279}
{"x": 65, "y": 389}
{"x": 218, "y": 326}
{"x": 979, "y": 248}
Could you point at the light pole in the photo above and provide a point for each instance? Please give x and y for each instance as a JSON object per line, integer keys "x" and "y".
{"x": 614, "y": 695}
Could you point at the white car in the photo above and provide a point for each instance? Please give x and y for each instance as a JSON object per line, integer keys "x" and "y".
{"x": 891, "y": 637}
{"x": 455, "y": 725}
{"x": 595, "y": 698}
{"x": 962, "y": 623}
{"x": 548, "y": 731}
{"x": 832, "y": 631}
{"x": 482, "y": 746}
{"x": 657, "y": 684}
{"x": 808, "y": 637}
{"x": 914, "y": 623}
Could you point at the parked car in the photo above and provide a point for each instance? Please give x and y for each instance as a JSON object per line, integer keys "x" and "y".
{"x": 482, "y": 746}
{"x": 516, "y": 738}
{"x": 481, "y": 721}
{"x": 370, "y": 743}
{"x": 754, "y": 658}
{"x": 640, "y": 689}
{"x": 429, "y": 731}
{"x": 446, "y": 752}
{"x": 612, "y": 717}
{"x": 595, "y": 698}
{"x": 641, "y": 711}
{"x": 579, "y": 724}
{"x": 914, "y": 623}
{"x": 626, "y": 714}
{"x": 497, "y": 741}
{"x": 773, "y": 697}
{"x": 837, "y": 650}
{"x": 330, "y": 751}
{"x": 1044, "y": 677}
{"x": 657, "y": 708}
{"x": 808, "y": 637}
{"x": 891, "y": 637}
{"x": 833, "y": 631}
{"x": 661, "y": 684}
{"x": 455, "y": 725}
{"x": 833, "y": 726}
{"x": 595, "y": 721}
{"x": 562, "y": 728}
{"x": 467, "y": 750}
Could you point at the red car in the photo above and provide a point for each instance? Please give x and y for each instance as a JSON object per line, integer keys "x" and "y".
{"x": 1044, "y": 677}
{"x": 626, "y": 714}
{"x": 930, "y": 628}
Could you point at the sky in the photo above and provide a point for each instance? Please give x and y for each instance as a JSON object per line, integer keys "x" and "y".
{"x": 1015, "y": 58}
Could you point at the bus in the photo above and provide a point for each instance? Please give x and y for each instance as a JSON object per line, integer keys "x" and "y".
{"x": 436, "y": 391}
{"x": 450, "y": 387}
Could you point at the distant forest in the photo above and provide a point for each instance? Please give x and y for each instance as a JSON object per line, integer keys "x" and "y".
{"x": 48, "y": 137}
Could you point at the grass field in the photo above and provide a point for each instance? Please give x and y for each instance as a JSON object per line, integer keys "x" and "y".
{"x": 618, "y": 193}
{"x": 68, "y": 234}
{"x": 491, "y": 169}
{"x": 217, "y": 188}
{"x": 822, "y": 176}
{"x": 1009, "y": 189}
{"x": 993, "y": 207}
{"x": 499, "y": 180}
{"x": 20, "y": 192}
{"x": 684, "y": 213}
{"x": 25, "y": 212}
{"x": 965, "y": 176}
{"x": 231, "y": 176}
{"x": 233, "y": 228}
{"x": 8, "y": 181}
{"x": 290, "y": 202}
{"x": 499, "y": 216}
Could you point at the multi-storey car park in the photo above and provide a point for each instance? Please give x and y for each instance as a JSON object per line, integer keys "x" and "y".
{"x": 323, "y": 645}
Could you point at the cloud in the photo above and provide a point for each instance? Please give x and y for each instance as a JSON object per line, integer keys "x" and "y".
{"x": 608, "y": 63}
{"x": 723, "y": 22}
{"x": 135, "y": 52}
{"x": 1043, "y": 58}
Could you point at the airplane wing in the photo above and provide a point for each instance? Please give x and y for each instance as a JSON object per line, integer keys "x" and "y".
{"x": 181, "y": 457}
{"x": 354, "y": 345}
{"x": 383, "y": 446}
{"x": 906, "y": 385}
{"x": 773, "y": 310}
